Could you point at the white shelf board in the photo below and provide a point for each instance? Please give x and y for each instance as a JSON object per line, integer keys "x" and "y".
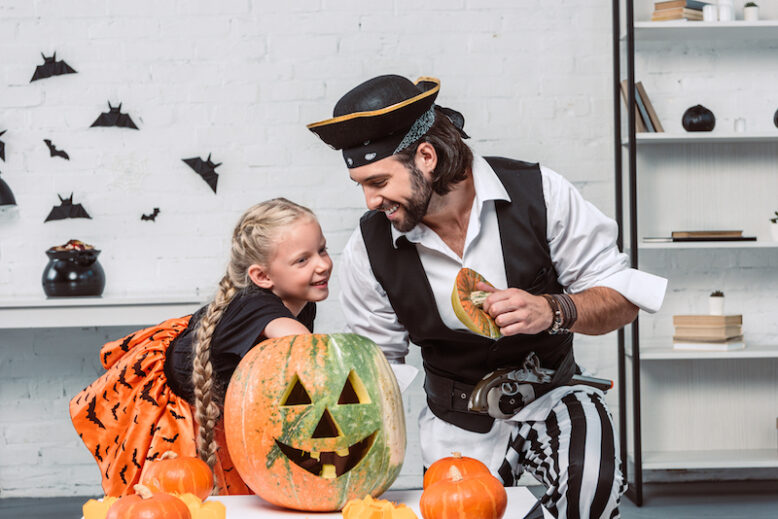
{"x": 68, "y": 312}
{"x": 645, "y": 138}
{"x": 716, "y": 459}
{"x": 668, "y": 353}
{"x": 678, "y": 31}
{"x": 710, "y": 245}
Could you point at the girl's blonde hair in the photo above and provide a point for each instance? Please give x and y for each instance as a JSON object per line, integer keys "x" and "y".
{"x": 253, "y": 242}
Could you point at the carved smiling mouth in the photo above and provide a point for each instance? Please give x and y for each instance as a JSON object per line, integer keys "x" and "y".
{"x": 329, "y": 464}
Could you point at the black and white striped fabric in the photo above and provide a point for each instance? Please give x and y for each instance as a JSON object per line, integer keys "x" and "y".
{"x": 573, "y": 453}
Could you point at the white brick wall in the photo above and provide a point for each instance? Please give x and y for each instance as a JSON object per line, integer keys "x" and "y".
{"x": 240, "y": 79}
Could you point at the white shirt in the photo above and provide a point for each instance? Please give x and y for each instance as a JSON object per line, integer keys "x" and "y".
{"x": 582, "y": 243}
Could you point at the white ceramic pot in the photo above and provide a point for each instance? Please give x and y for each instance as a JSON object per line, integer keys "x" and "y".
{"x": 716, "y": 305}
{"x": 774, "y": 231}
{"x": 751, "y": 14}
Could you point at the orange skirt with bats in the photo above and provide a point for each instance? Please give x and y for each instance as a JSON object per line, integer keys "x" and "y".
{"x": 129, "y": 415}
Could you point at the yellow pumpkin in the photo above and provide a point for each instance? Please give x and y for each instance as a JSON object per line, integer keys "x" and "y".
{"x": 97, "y": 508}
{"x": 203, "y": 510}
{"x": 369, "y": 508}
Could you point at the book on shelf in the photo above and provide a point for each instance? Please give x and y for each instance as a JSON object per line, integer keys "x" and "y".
{"x": 643, "y": 111}
{"x": 669, "y": 239}
{"x": 670, "y": 4}
{"x": 707, "y": 333}
{"x": 707, "y": 320}
{"x": 640, "y": 126}
{"x": 649, "y": 107}
{"x": 710, "y": 346}
{"x": 707, "y": 234}
{"x": 680, "y": 13}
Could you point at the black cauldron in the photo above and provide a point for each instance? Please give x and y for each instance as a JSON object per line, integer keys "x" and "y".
{"x": 698, "y": 119}
{"x": 73, "y": 273}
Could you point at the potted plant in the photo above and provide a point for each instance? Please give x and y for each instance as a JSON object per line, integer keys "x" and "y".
{"x": 774, "y": 226}
{"x": 716, "y": 303}
{"x": 750, "y": 12}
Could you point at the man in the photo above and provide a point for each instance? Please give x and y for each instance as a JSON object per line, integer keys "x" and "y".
{"x": 435, "y": 208}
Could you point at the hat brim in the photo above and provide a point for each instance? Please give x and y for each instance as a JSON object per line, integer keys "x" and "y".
{"x": 348, "y": 130}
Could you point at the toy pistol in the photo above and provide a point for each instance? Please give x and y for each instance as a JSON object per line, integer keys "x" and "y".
{"x": 503, "y": 392}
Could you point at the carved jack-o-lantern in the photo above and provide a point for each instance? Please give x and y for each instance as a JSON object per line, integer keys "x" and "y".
{"x": 315, "y": 420}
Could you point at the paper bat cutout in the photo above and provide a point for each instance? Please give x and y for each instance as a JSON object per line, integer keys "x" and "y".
{"x": 51, "y": 67}
{"x": 152, "y": 216}
{"x": 114, "y": 117}
{"x": 2, "y": 146}
{"x": 206, "y": 169}
{"x": 67, "y": 210}
{"x": 54, "y": 152}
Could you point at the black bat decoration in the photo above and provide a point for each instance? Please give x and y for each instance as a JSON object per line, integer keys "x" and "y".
{"x": 97, "y": 452}
{"x": 144, "y": 395}
{"x": 171, "y": 440}
{"x": 105, "y": 356}
{"x": 51, "y": 67}
{"x": 54, "y": 152}
{"x": 153, "y": 456}
{"x": 154, "y": 429}
{"x": 152, "y": 216}
{"x": 135, "y": 458}
{"x": 137, "y": 367}
{"x": 125, "y": 346}
{"x": 67, "y": 210}
{"x": 206, "y": 169}
{"x": 176, "y": 415}
{"x": 114, "y": 117}
{"x": 91, "y": 415}
{"x": 2, "y": 146}
{"x": 121, "y": 474}
{"x": 113, "y": 411}
{"x": 123, "y": 379}
{"x": 105, "y": 395}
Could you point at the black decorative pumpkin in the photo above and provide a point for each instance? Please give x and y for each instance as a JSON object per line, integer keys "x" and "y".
{"x": 698, "y": 119}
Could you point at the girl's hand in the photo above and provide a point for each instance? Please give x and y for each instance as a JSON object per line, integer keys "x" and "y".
{"x": 516, "y": 311}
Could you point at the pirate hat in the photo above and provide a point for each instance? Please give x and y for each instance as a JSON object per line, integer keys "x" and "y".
{"x": 379, "y": 117}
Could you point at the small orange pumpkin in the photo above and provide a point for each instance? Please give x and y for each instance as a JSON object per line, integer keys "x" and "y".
{"x": 145, "y": 505}
{"x": 179, "y": 475}
{"x": 440, "y": 469}
{"x": 467, "y": 302}
{"x": 479, "y": 496}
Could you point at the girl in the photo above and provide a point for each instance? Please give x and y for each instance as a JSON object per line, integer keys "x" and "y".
{"x": 157, "y": 379}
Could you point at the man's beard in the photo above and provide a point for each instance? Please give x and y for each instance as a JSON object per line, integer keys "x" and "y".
{"x": 415, "y": 207}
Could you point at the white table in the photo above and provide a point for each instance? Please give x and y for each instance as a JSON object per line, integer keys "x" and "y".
{"x": 520, "y": 501}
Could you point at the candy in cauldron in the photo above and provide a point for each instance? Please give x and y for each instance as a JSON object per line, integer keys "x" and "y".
{"x": 698, "y": 119}
{"x": 73, "y": 270}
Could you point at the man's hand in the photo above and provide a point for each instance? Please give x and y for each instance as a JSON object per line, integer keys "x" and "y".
{"x": 516, "y": 311}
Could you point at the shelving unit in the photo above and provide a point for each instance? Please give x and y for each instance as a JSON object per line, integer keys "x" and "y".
{"x": 673, "y": 181}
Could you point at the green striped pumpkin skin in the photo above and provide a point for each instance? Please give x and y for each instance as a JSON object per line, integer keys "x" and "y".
{"x": 260, "y": 414}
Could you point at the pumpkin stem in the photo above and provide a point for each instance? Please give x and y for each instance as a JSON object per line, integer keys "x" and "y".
{"x": 477, "y": 297}
{"x": 143, "y": 491}
{"x": 169, "y": 455}
{"x": 456, "y": 454}
{"x": 454, "y": 474}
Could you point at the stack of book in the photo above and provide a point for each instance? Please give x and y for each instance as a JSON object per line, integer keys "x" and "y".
{"x": 646, "y": 119}
{"x": 708, "y": 332}
{"x": 677, "y": 10}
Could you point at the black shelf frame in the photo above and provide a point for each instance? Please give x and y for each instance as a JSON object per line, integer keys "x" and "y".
{"x": 634, "y": 486}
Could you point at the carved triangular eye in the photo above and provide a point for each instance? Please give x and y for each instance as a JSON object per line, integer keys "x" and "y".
{"x": 354, "y": 391}
{"x": 295, "y": 394}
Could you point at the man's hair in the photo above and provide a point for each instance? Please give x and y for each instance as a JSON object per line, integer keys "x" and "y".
{"x": 454, "y": 156}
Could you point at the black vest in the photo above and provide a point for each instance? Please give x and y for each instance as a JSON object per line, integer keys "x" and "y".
{"x": 461, "y": 356}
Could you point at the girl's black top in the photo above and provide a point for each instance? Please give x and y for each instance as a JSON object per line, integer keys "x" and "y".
{"x": 241, "y": 327}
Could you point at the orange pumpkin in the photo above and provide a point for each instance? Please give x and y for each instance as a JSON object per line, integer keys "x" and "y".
{"x": 369, "y": 508}
{"x": 468, "y": 308}
{"x": 145, "y": 505}
{"x": 313, "y": 421}
{"x": 179, "y": 475}
{"x": 478, "y": 496}
{"x": 97, "y": 509}
{"x": 466, "y": 466}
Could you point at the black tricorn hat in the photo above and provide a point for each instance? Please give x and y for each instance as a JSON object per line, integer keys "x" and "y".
{"x": 372, "y": 120}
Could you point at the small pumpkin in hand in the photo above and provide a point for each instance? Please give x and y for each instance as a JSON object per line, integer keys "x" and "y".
{"x": 440, "y": 469}
{"x": 179, "y": 475}
{"x": 369, "y": 508}
{"x": 468, "y": 301}
{"x": 145, "y": 505}
{"x": 478, "y": 496}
